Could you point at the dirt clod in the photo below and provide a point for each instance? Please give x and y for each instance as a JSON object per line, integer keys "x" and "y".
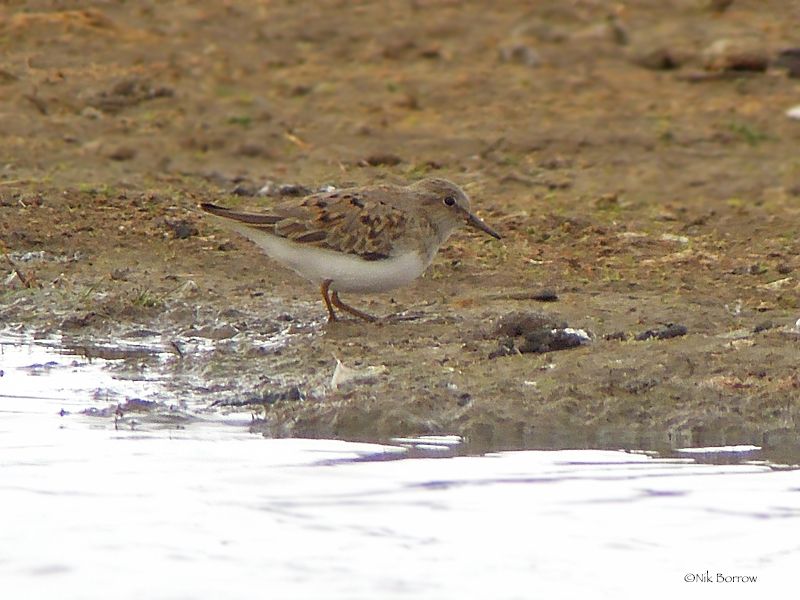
{"x": 669, "y": 331}
{"x": 533, "y": 332}
{"x": 385, "y": 159}
{"x": 789, "y": 59}
{"x": 738, "y": 54}
{"x": 181, "y": 229}
{"x": 545, "y": 295}
{"x": 521, "y": 54}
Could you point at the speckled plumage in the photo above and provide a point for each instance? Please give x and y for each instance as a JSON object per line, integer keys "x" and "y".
{"x": 362, "y": 239}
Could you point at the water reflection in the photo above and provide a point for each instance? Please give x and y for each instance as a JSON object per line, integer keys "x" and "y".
{"x": 208, "y": 510}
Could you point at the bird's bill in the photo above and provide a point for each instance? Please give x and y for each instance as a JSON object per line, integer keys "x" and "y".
{"x": 477, "y": 223}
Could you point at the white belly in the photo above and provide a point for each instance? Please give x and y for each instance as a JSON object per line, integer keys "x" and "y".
{"x": 347, "y": 272}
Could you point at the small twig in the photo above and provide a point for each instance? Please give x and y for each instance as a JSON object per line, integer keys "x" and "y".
{"x": 296, "y": 140}
{"x": 26, "y": 281}
{"x": 177, "y": 348}
{"x": 492, "y": 147}
{"x": 36, "y": 101}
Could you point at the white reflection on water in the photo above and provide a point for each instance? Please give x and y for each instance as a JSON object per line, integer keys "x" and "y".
{"x": 211, "y": 511}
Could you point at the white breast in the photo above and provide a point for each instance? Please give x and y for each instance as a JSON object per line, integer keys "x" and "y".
{"x": 347, "y": 272}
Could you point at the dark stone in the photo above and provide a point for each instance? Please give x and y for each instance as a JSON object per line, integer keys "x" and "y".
{"x": 790, "y": 60}
{"x": 300, "y": 90}
{"x": 505, "y": 348}
{"x": 670, "y": 330}
{"x": 138, "y": 405}
{"x": 616, "y": 336}
{"x": 545, "y": 296}
{"x": 291, "y": 394}
{"x": 182, "y": 228}
{"x": 522, "y": 323}
{"x": 657, "y": 59}
{"x": 251, "y": 150}
{"x": 244, "y": 189}
{"x": 550, "y": 341}
{"x": 122, "y": 153}
{"x": 763, "y": 326}
{"x": 79, "y": 321}
{"x": 293, "y": 189}
{"x": 523, "y": 332}
{"x": 382, "y": 158}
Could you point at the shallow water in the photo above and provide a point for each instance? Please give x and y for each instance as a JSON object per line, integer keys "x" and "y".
{"x": 192, "y": 505}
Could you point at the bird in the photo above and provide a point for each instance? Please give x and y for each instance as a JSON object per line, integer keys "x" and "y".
{"x": 358, "y": 240}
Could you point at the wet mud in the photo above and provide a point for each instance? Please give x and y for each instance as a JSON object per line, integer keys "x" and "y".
{"x": 638, "y": 160}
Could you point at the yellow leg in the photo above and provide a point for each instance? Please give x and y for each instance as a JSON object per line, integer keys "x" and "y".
{"x": 324, "y": 289}
{"x": 353, "y": 311}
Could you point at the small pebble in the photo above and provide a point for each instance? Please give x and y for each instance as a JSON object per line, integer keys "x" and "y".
{"x": 521, "y": 54}
{"x": 730, "y": 54}
{"x": 522, "y": 323}
{"x": 182, "y": 228}
{"x": 120, "y": 274}
{"x": 251, "y": 150}
{"x": 244, "y": 189}
{"x": 616, "y": 336}
{"x": 90, "y": 112}
{"x": 671, "y": 237}
{"x": 268, "y": 396}
{"x": 122, "y": 153}
{"x": 272, "y": 188}
{"x": 763, "y": 326}
{"x": 659, "y": 58}
{"x": 790, "y": 60}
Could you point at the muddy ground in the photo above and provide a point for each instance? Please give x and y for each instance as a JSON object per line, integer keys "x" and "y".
{"x": 638, "y": 167}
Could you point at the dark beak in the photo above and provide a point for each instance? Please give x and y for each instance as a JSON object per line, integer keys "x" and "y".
{"x": 475, "y": 222}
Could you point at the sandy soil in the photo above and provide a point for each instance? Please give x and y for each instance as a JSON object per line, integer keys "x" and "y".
{"x": 640, "y": 195}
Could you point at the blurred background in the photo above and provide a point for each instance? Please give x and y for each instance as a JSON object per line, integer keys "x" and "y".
{"x": 654, "y": 100}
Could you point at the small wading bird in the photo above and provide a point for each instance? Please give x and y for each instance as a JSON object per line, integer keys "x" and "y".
{"x": 365, "y": 239}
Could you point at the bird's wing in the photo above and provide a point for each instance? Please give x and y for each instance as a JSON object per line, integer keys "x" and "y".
{"x": 349, "y": 221}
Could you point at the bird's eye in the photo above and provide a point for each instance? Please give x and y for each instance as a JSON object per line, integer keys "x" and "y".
{"x": 449, "y": 201}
